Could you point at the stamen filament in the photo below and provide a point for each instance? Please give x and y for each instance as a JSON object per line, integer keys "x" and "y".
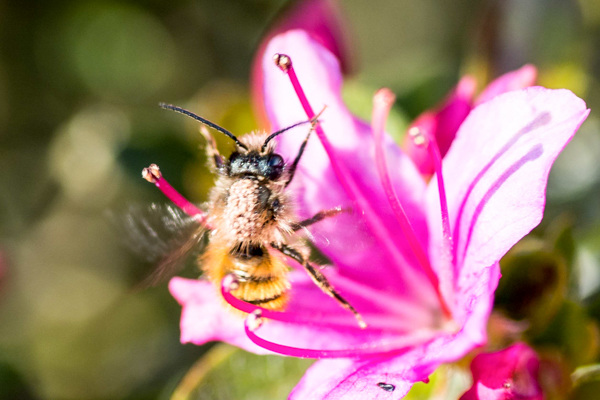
{"x": 250, "y": 325}
{"x": 388, "y": 348}
{"x": 435, "y": 154}
{"x": 285, "y": 63}
{"x": 446, "y": 272}
{"x": 230, "y": 283}
{"x": 153, "y": 175}
{"x": 382, "y": 103}
{"x": 344, "y": 177}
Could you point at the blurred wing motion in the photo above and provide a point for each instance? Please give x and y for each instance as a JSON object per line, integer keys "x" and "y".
{"x": 161, "y": 234}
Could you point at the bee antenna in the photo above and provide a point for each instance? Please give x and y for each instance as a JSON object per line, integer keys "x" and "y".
{"x": 204, "y": 121}
{"x": 313, "y": 121}
{"x": 279, "y": 132}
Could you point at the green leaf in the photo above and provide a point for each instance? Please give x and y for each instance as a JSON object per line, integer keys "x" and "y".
{"x": 448, "y": 382}
{"x": 533, "y": 285}
{"x": 587, "y": 373}
{"x": 229, "y": 373}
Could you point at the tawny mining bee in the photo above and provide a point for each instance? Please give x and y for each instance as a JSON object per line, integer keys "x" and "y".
{"x": 250, "y": 216}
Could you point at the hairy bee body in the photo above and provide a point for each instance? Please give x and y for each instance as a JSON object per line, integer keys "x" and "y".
{"x": 250, "y": 218}
{"x": 248, "y": 212}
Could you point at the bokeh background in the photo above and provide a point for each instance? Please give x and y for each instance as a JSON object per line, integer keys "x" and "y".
{"x": 79, "y": 86}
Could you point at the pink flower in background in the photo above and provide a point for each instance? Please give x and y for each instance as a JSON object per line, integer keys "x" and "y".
{"x": 443, "y": 122}
{"x": 509, "y": 374}
{"x": 418, "y": 260}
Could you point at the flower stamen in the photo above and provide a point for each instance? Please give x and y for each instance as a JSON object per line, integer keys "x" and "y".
{"x": 344, "y": 177}
{"x": 382, "y": 104}
{"x": 230, "y": 283}
{"x": 250, "y": 328}
{"x": 421, "y": 139}
{"x": 389, "y": 347}
{"x": 153, "y": 175}
{"x": 254, "y": 320}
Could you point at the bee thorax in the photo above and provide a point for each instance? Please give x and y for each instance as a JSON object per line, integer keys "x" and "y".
{"x": 247, "y": 212}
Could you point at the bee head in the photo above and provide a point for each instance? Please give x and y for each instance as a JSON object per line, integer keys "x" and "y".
{"x": 256, "y": 164}
{"x": 248, "y": 161}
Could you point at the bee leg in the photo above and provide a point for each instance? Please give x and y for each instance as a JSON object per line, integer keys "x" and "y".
{"x": 319, "y": 279}
{"x": 216, "y": 159}
{"x": 321, "y": 215}
{"x": 297, "y": 159}
{"x": 292, "y": 170}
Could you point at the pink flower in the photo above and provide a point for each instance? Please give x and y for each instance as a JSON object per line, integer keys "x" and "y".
{"x": 417, "y": 259}
{"x": 443, "y": 122}
{"x": 509, "y": 374}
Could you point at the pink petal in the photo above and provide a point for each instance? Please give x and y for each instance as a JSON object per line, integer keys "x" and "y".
{"x": 343, "y": 378}
{"x": 322, "y": 323}
{"x": 478, "y": 285}
{"x": 322, "y": 20}
{"x": 514, "y": 80}
{"x": 360, "y": 253}
{"x": 510, "y": 374}
{"x": 205, "y": 318}
{"x": 496, "y": 173}
{"x": 349, "y": 379}
{"x": 441, "y": 124}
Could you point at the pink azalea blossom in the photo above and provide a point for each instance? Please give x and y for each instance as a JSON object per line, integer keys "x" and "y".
{"x": 509, "y": 374}
{"x": 417, "y": 259}
{"x": 443, "y": 122}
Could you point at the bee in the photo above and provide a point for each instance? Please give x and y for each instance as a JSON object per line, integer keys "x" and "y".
{"x": 251, "y": 217}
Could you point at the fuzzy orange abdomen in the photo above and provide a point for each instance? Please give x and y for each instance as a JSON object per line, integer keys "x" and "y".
{"x": 262, "y": 279}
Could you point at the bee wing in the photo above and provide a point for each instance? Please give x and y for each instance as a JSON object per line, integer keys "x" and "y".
{"x": 160, "y": 234}
{"x": 175, "y": 260}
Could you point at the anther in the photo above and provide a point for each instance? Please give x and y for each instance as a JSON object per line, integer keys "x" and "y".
{"x": 151, "y": 173}
{"x": 254, "y": 320}
{"x": 361, "y": 322}
{"x": 282, "y": 61}
{"x": 417, "y": 136}
{"x": 384, "y": 97}
{"x": 230, "y": 282}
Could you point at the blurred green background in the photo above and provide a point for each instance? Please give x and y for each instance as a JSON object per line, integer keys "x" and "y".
{"x": 79, "y": 86}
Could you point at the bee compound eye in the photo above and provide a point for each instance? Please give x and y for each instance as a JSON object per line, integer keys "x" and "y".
{"x": 275, "y": 161}
{"x": 274, "y": 167}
